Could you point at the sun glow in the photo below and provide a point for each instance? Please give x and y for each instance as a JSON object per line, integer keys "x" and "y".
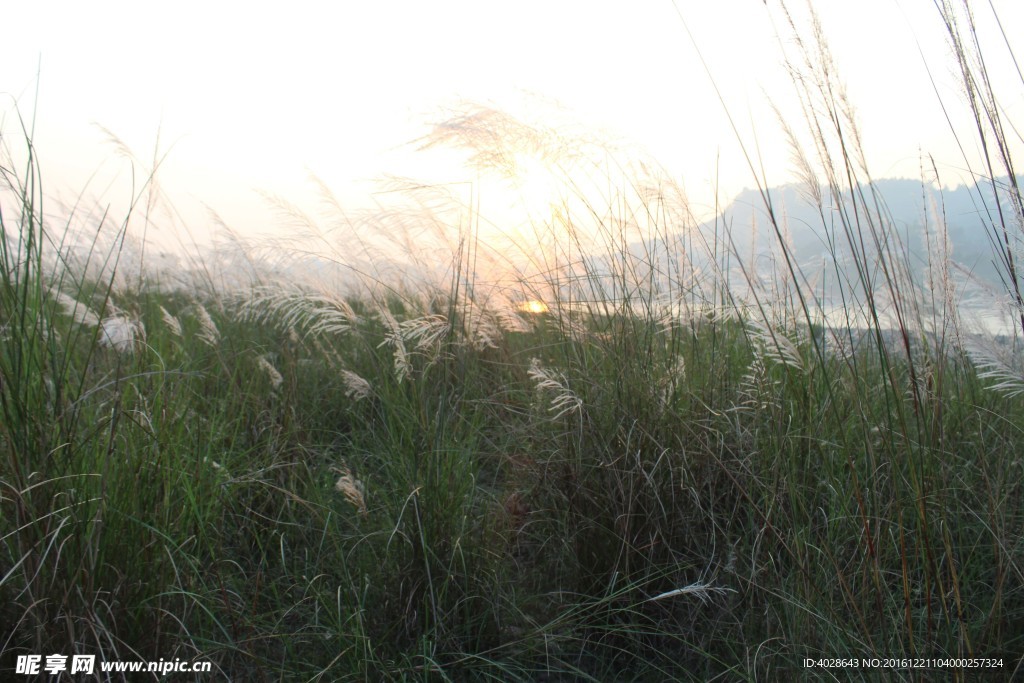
{"x": 536, "y": 185}
{"x": 533, "y": 306}
{"x": 524, "y": 198}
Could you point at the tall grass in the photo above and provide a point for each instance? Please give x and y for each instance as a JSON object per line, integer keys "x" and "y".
{"x": 686, "y": 460}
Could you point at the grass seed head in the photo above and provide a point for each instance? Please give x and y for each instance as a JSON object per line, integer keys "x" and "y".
{"x": 173, "y": 324}
{"x": 356, "y": 387}
{"x": 276, "y": 380}
{"x": 352, "y": 489}
{"x": 120, "y": 333}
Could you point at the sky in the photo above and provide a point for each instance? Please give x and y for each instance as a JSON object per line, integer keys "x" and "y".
{"x": 256, "y": 96}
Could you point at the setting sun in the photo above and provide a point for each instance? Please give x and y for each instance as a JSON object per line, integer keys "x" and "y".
{"x": 533, "y": 306}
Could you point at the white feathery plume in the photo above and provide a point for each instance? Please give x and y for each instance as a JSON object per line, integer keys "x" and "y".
{"x": 356, "y": 387}
{"x": 351, "y": 488}
{"x": 276, "y": 380}
{"x": 563, "y": 401}
{"x": 208, "y": 332}
{"x": 702, "y": 590}
{"x": 1005, "y": 370}
{"x": 297, "y": 308}
{"x": 774, "y": 345}
{"x": 173, "y": 324}
{"x": 119, "y": 332}
{"x": 82, "y": 314}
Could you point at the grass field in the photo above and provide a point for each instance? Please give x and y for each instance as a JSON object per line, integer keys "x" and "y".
{"x": 636, "y": 456}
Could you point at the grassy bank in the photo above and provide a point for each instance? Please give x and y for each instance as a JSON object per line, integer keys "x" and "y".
{"x": 674, "y": 468}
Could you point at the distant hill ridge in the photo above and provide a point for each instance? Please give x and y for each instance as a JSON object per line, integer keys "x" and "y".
{"x": 968, "y": 212}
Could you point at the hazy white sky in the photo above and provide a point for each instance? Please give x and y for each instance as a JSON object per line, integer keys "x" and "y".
{"x": 254, "y": 94}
